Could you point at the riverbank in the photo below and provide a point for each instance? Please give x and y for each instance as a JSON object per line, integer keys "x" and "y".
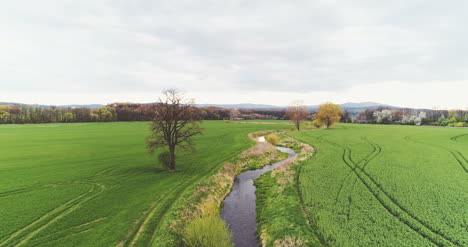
{"x": 239, "y": 209}
{"x": 280, "y": 216}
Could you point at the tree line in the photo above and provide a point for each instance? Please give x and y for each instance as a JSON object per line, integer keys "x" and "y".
{"x": 25, "y": 114}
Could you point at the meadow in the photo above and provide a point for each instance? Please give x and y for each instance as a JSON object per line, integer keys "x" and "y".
{"x": 377, "y": 185}
{"x": 93, "y": 184}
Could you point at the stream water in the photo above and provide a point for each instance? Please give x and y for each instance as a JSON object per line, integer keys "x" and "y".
{"x": 239, "y": 210}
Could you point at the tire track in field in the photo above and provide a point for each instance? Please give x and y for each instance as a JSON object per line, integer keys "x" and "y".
{"x": 456, "y": 154}
{"x": 14, "y": 192}
{"x": 27, "y": 189}
{"x": 99, "y": 189}
{"x": 53, "y": 211}
{"x": 366, "y": 160}
{"x": 27, "y": 232}
{"x": 392, "y": 206}
{"x": 47, "y": 244}
{"x": 455, "y": 138}
{"x": 65, "y": 233}
{"x": 377, "y": 150}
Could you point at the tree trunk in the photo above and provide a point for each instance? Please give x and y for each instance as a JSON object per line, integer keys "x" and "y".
{"x": 172, "y": 166}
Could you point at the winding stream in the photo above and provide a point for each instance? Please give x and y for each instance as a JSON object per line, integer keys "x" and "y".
{"x": 239, "y": 210}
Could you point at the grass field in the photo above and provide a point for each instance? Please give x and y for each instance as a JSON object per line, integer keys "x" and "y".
{"x": 93, "y": 184}
{"x": 375, "y": 185}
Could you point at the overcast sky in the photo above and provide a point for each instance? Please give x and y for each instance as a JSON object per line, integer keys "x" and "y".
{"x": 404, "y": 53}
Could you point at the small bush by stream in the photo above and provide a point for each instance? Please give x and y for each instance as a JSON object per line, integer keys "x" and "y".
{"x": 207, "y": 231}
{"x": 273, "y": 139}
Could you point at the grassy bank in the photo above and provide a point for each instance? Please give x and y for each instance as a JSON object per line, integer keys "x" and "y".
{"x": 280, "y": 217}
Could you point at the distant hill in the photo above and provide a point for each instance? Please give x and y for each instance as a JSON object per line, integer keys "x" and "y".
{"x": 91, "y": 106}
{"x": 363, "y": 105}
{"x": 353, "y": 107}
{"x": 244, "y": 106}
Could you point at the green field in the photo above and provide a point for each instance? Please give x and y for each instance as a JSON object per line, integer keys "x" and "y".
{"x": 93, "y": 184}
{"x": 374, "y": 185}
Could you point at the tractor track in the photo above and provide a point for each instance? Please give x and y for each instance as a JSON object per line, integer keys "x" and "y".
{"x": 27, "y": 232}
{"x": 391, "y": 205}
{"x": 366, "y": 160}
{"x": 455, "y": 138}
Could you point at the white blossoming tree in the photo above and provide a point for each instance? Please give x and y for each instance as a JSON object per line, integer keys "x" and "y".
{"x": 384, "y": 116}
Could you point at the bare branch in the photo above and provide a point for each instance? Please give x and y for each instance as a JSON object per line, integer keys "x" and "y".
{"x": 174, "y": 125}
{"x": 297, "y": 112}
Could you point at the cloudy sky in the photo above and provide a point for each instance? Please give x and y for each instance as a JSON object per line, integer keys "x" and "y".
{"x": 405, "y": 53}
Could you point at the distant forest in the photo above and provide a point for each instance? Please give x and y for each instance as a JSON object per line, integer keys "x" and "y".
{"x": 26, "y": 114}
{"x": 23, "y": 114}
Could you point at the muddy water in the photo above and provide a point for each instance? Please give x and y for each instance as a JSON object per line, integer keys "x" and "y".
{"x": 239, "y": 206}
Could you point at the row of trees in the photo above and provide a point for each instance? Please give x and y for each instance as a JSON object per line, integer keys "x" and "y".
{"x": 327, "y": 115}
{"x": 454, "y": 118}
{"x": 22, "y": 114}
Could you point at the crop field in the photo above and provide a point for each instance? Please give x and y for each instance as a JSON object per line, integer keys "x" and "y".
{"x": 376, "y": 185}
{"x": 93, "y": 184}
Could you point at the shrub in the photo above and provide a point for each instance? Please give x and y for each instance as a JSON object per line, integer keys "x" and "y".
{"x": 273, "y": 139}
{"x": 457, "y": 124}
{"x": 165, "y": 160}
{"x": 208, "y": 231}
{"x": 316, "y": 124}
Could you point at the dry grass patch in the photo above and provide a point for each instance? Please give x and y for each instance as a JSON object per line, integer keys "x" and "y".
{"x": 259, "y": 150}
{"x": 290, "y": 242}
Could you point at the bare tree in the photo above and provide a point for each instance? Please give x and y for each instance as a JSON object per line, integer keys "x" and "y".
{"x": 175, "y": 123}
{"x": 297, "y": 112}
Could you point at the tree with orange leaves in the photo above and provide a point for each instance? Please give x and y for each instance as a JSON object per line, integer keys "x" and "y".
{"x": 328, "y": 114}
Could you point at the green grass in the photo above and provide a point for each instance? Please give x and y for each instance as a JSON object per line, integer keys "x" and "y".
{"x": 375, "y": 185}
{"x": 93, "y": 184}
{"x": 208, "y": 231}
